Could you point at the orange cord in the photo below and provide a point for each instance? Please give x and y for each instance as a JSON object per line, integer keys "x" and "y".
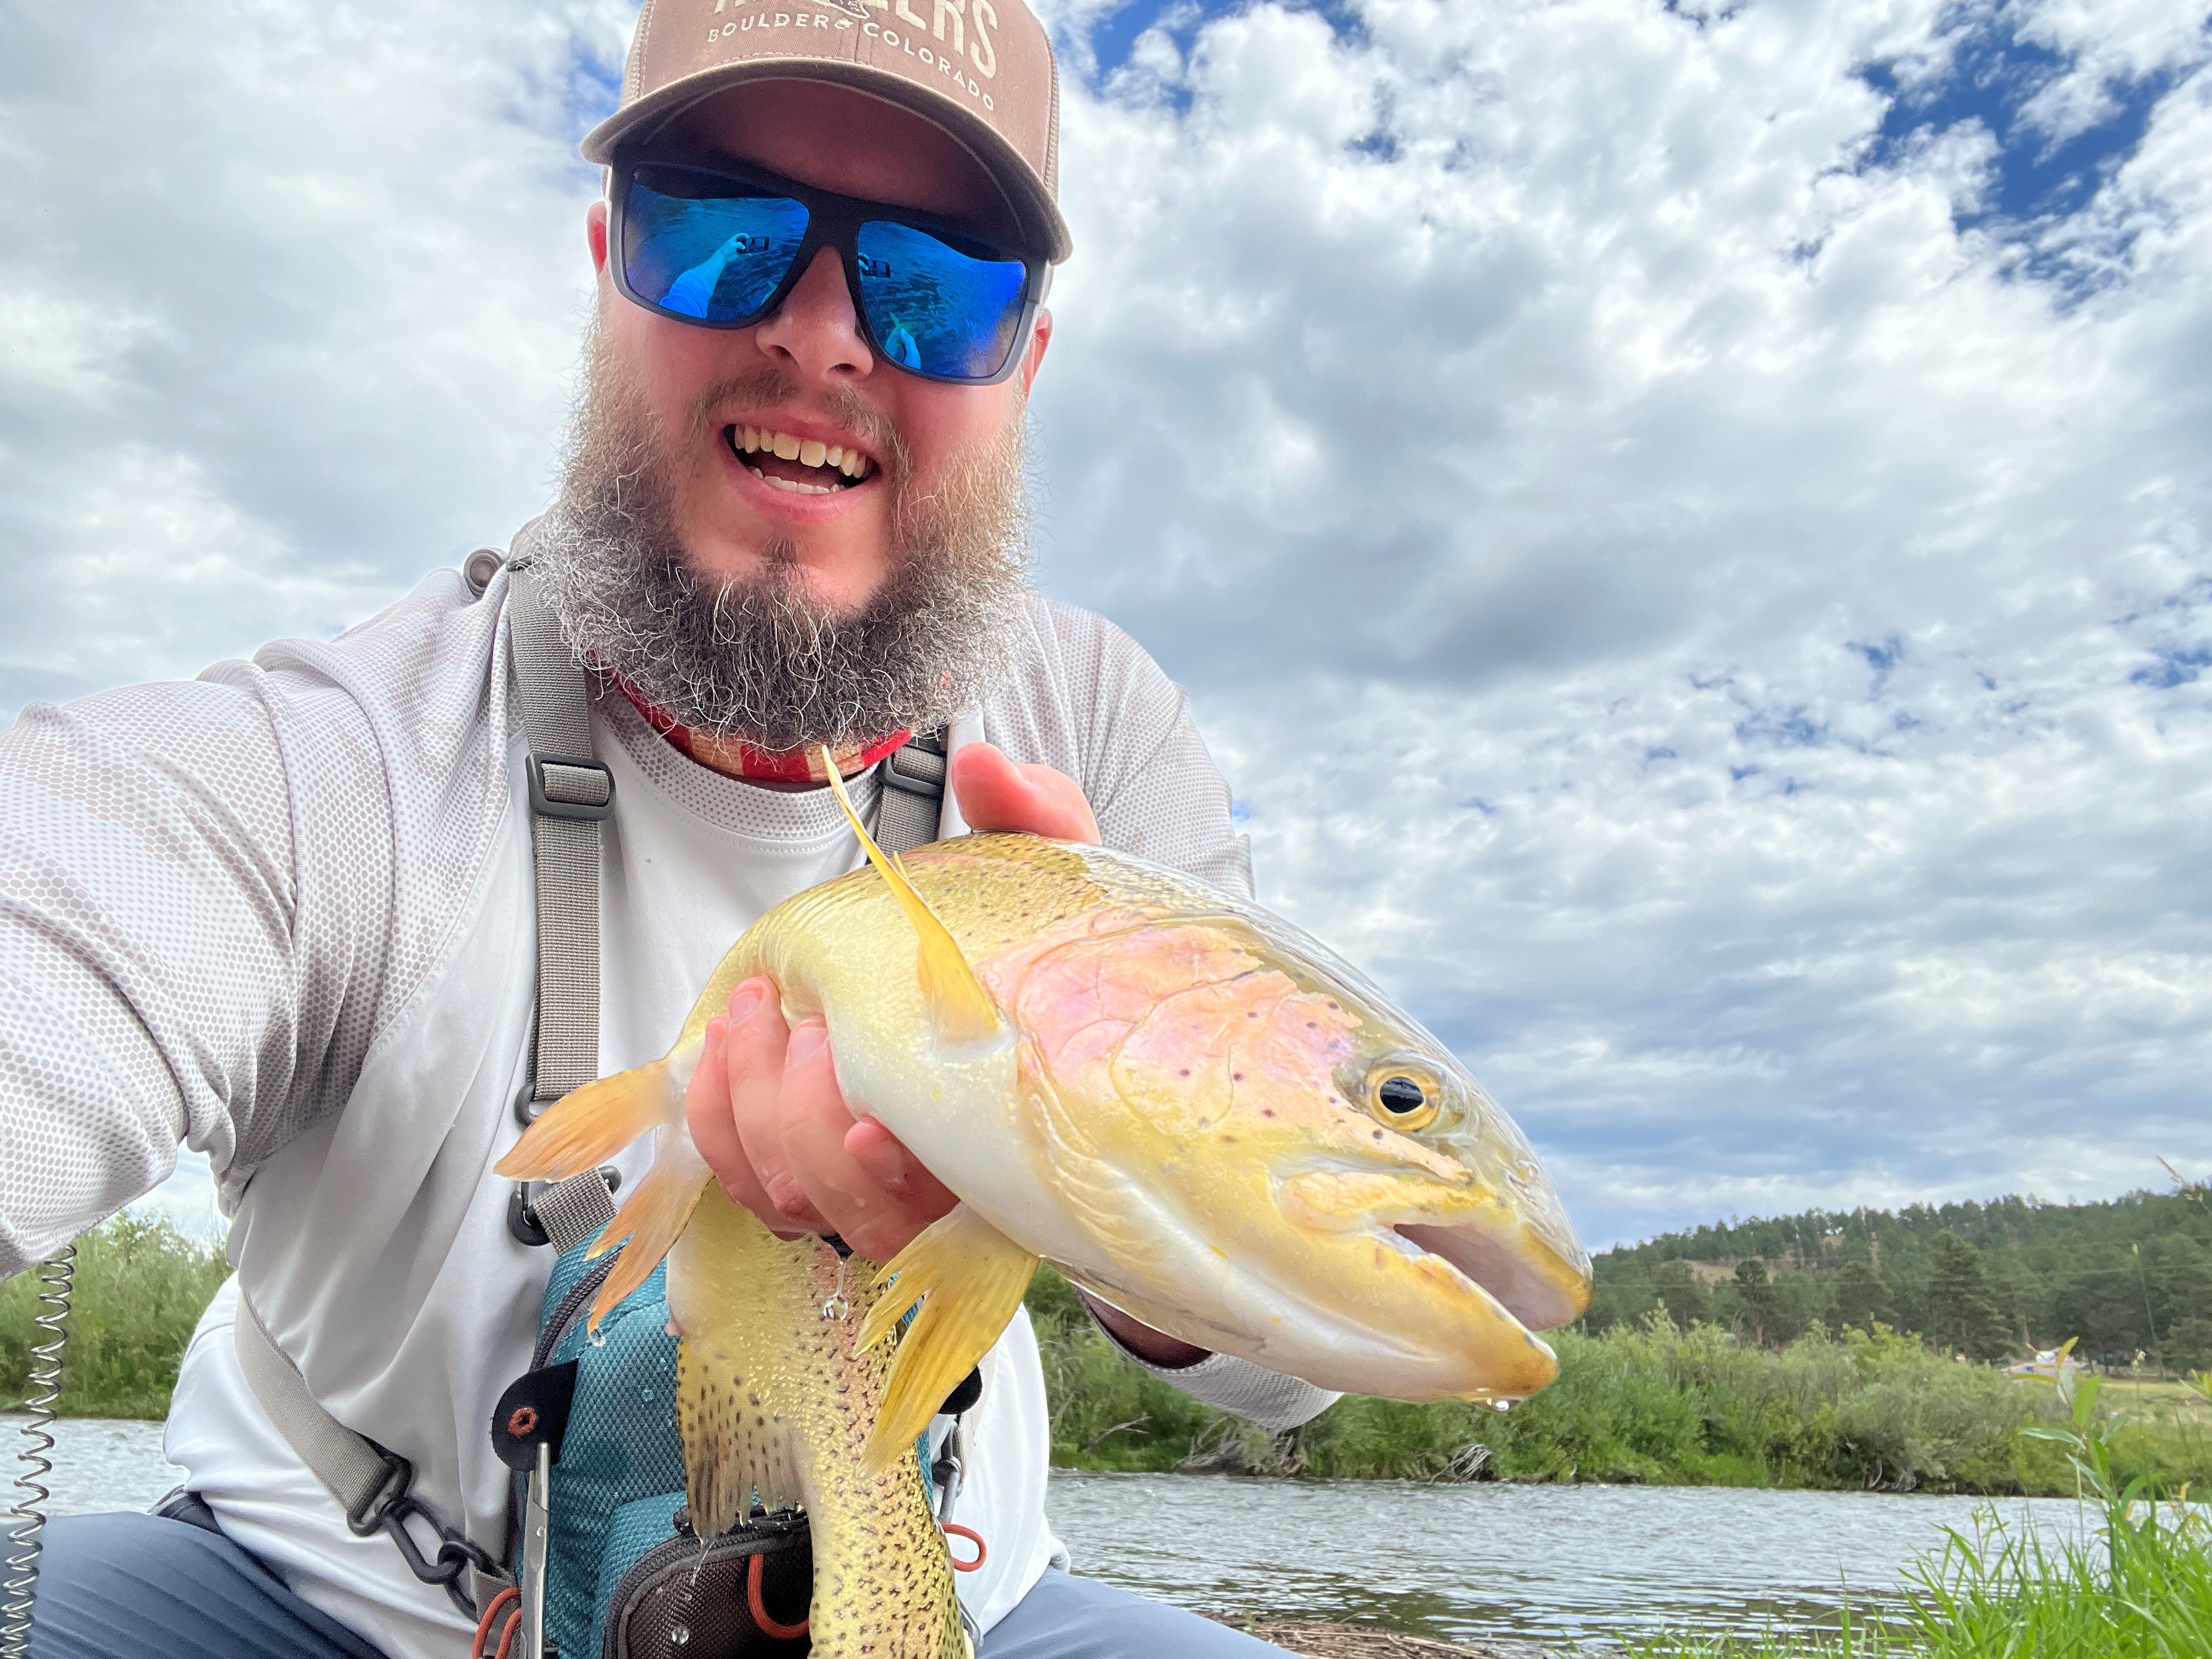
{"x": 507, "y": 1635}
{"x": 954, "y": 1529}
{"x": 491, "y": 1612}
{"x": 758, "y": 1608}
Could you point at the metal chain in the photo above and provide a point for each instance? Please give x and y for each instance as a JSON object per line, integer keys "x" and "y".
{"x": 43, "y": 1387}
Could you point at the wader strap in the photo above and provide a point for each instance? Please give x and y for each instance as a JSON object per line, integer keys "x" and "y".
{"x": 570, "y": 1212}
{"x": 912, "y": 799}
{"x": 342, "y": 1459}
{"x": 371, "y": 1484}
{"x": 571, "y": 793}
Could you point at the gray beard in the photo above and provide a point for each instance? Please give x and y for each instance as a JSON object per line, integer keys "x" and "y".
{"x": 759, "y": 660}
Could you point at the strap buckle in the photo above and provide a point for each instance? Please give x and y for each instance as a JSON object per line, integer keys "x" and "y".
{"x": 392, "y": 1505}
{"x": 565, "y": 787}
{"x": 917, "y": 767}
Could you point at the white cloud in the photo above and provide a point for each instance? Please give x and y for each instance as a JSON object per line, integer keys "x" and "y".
{"x": 1723, "y": 642}
{"x": 1669, "y": 597}
{"x": 2108, "y": 46}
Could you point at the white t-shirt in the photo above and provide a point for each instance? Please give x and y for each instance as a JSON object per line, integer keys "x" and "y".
{"x": 284, "y": 914}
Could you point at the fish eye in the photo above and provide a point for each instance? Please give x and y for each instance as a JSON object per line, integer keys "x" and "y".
{"x": 1404, "y": 1102}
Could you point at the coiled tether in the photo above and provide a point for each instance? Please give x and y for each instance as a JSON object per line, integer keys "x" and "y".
{"x": 42, "y": 1388}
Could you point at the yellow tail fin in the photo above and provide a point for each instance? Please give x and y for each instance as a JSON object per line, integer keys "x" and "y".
{"x": 968, "y": 1278}
{"x": 959, "y": 1006}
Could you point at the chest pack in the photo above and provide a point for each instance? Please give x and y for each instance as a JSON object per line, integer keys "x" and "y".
{"x": 599, "y": 1561}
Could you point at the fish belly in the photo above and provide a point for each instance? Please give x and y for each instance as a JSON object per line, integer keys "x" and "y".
{"x": 776, "y": 1400}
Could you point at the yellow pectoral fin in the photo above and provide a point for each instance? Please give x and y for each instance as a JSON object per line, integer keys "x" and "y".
{"x": 959, "y": 1007}
{"x": 590, "y": 1125}
{"x": 968, "y": 1278}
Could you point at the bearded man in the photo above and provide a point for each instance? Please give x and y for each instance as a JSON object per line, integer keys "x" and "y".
{"x": 285, "y": 914}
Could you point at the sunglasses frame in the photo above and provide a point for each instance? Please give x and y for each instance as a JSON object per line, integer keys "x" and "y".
{"x": 832, "y": 220}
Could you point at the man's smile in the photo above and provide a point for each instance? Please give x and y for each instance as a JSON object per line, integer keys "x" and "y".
{"x": 801, "y": 465}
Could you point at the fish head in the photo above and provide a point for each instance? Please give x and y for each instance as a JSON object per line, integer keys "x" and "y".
{"x": 1261, "y": 1154}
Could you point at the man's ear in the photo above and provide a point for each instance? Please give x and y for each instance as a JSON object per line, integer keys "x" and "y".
{"x": 595, "y": 235}
{"x": 1031, "y": 361}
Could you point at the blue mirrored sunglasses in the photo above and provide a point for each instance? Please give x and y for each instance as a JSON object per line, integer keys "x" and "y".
{"x": 722, "y": 248}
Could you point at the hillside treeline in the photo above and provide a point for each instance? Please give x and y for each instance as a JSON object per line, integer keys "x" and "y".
{"x": 1991, "y": 1281}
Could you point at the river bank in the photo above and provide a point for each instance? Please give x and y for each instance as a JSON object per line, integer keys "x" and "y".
{"x": 1641, "y": 1405}
{"x": 1645, "y": 1404}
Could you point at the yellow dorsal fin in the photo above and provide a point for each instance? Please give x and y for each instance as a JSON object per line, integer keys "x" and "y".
{"x": 968, "y": 1278}
{"x": 959, "y": 1006}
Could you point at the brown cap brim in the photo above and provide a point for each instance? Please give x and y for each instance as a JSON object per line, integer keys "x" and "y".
{"x": 1036, "y": 215}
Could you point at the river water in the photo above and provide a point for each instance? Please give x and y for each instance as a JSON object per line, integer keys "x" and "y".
{"x": 1571, "y": 1563}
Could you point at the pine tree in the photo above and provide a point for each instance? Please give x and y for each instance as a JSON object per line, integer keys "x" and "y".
{"x": 1860, "y": 1299}
{"x": 1680, "y": 1293}
{"x": 1965, "y": 1314}
{"x": 1761, "y": 1303}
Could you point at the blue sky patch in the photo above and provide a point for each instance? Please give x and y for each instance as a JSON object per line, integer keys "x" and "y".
{"x": 594, "y": 86}
{"x": 2174, "y": 667}
{"x": 1114, "y": 35}
{"x": 1994, "y": 73}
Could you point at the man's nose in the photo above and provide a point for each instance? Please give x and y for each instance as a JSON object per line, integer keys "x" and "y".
{"x": 816, "y": 332}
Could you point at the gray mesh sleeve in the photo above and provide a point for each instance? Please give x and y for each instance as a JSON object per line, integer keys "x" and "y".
{"x": 213, "y": 895}
{"x": 1274, "y": 1401}
{"x": 146, "y": 921}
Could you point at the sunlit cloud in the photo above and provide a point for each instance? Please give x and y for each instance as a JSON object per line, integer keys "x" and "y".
{"x": 1686, "y": 525}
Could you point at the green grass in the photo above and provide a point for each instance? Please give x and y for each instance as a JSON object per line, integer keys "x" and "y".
{"x": 139, "y": 1290}
{"x": 2140, "y": 1588}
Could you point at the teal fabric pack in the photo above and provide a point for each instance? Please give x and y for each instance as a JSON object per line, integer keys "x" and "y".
{"x": 620, "y": 1480}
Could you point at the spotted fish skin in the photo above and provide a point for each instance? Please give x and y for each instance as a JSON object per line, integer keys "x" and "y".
{"x": 774, "y": 1394}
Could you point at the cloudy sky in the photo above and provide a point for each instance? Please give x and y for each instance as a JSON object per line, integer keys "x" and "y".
{"x": 1687, "y": 527}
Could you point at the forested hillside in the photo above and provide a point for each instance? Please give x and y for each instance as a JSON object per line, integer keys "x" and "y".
{"x": 2134, "y": 1273}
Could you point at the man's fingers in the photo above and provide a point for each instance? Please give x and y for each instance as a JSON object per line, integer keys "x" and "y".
{"x": 767, "y": 1116}
{"x": 877, "y": 1218}
{"x": 707, "y": 1111}
{"x": 754, "y": 1047}
{"x": 814, "y": 1122}
{"x": 997, "y": 793}
{"x": 886, "y": 1159}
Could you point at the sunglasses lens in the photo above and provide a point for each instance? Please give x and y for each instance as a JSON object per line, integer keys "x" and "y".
{"x": 691, "y": 247}
{"x": 934, "y": 309}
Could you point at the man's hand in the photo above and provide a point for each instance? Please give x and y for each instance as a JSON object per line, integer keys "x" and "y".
{"x": 764, "y": 1108}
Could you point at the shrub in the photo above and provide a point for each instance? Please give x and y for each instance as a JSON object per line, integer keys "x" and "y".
{"x": 140, "y": 1288}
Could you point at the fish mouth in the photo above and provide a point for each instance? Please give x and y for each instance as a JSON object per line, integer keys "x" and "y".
{"x": 1540, "y": 1292}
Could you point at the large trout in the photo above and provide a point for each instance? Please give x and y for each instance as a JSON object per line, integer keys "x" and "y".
{"x": 1195, "y": 1111}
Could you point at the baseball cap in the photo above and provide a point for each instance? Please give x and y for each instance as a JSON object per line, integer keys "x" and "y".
{"x": 980, "y": 70}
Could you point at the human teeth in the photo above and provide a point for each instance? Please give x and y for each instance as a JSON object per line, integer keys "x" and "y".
{"x": 807, "y": 452}
{"x": 792, "y": 485}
